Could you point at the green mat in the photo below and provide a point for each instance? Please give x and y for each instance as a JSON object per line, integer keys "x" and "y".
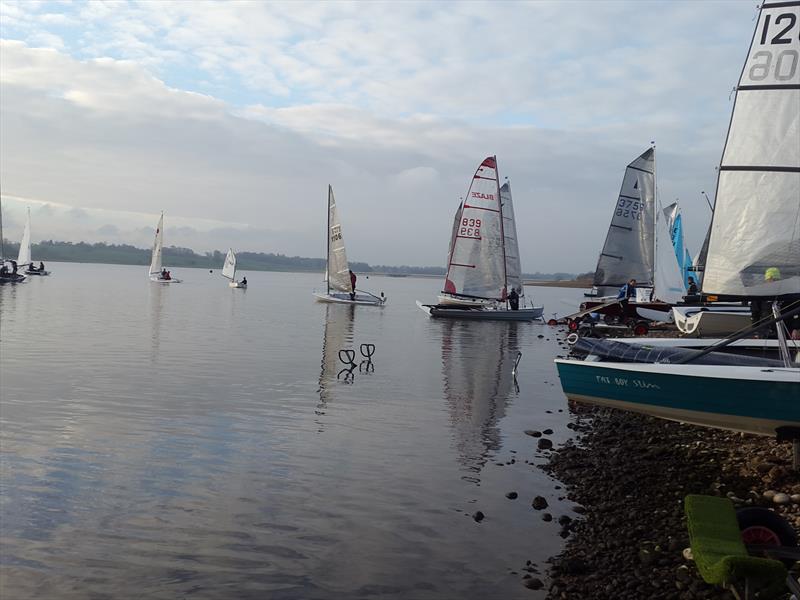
{"x": 719, "y": 553}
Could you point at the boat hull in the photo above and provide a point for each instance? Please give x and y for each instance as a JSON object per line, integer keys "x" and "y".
{"x": 361, "y": 299}
{"x": 237, "y": 284}
{"x": 749, "y": 399}
{"x": 698, "y": 323}
{"x": 165, "y": 281}
{"x": 38, "y": 273}
{"x": 482, "y": 314}
{"x": 448, "y": 300}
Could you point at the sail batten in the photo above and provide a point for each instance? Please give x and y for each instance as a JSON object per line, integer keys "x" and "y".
{"x": 628, "y": 249}
{"x": 754, "y": 240}
{"x": 476, "y": 266}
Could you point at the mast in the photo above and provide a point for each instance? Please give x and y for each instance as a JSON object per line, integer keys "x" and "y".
{"x": 328, "y": 257}
{"x": 656, "y": 209}
{"x": 2, "y": 241}
{"x": 502, "y": 232}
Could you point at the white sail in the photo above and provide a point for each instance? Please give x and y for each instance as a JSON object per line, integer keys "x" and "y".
{"x": 338, "y": 270}
{"x": 229, "y": 268}
{"x": 755, "y": 230}
{"x": 477, "y": 264}
{"x": 24, "y": 257}
{"x": 158, "y": 242}
{"x": 628, "y": 249}
{"x": 667, "y": 275}
{"x": 513, "y": 263}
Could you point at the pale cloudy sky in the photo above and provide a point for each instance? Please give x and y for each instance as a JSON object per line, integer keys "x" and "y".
{"x": 233, "y": 117}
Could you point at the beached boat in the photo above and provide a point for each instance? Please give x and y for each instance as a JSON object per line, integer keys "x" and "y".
{"x": 753, "y": 254}
{"x": 337, "y": 271}
{"x": 483, "y": 262}
{"x": 158, "y": 273}
{"x": 710, "y": 320}
{"x": 24, "y": 260}
{"x": 229, "y": 271}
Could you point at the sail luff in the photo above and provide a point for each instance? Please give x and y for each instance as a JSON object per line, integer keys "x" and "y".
{"x": 513, "y": 260}
{"x": 24, "y": 256}
{"x": 754, "y": 241}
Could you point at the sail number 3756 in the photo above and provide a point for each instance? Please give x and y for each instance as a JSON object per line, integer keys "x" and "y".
{"x": 770, "y": 57}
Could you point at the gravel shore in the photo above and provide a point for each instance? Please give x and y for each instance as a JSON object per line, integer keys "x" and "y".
{"x": 628, "y": 474}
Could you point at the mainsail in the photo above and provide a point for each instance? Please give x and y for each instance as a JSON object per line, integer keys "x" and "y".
{"x": 754, "y": 248}
{"x": 229, "y": 268}
{"x": 477, "y": 263}
{"x": 338, "y": 271}
{"x": 668, "y": 281}
{"x": 155, "y": 261}
{"x": 628, "y": 249}
{"x": 24, "y": 257}
{"x": 513, "y": 263}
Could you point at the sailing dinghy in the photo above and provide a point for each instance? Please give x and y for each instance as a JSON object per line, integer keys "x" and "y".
{"x": 753, "y": 254}
{"x": 24, "y": 259}
{"x": 229, "y": 271}
{"x": 158, "y": 273}
{"x": 483, "y": 264}
{"x": 337, "y": 271}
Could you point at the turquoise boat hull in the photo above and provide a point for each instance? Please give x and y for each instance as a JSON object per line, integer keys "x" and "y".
{"x": 750, "y": 399}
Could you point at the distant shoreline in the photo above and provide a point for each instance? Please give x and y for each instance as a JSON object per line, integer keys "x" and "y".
{"x": 567, "y": 283}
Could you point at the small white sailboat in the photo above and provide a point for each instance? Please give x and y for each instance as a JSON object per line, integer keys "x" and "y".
{"x": 24, "y": 260}
{"x": 338, "y": 277}
{"x": 483, "y": 266}
{"x": 229, "y": 271}
{"x": 158, "y": 273}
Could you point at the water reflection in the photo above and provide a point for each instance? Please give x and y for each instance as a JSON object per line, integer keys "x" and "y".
{"x": 477, "y": 367}
{"x": 338, "y": 335}
{"x": 157, "y": 298}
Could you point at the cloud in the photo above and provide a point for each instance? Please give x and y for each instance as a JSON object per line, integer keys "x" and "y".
{"x": 242, "y": 113}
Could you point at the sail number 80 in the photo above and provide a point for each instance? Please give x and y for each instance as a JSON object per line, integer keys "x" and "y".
{"x": 470, "y": 228}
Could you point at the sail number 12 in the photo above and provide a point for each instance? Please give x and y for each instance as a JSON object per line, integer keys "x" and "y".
{"x": 779, "y": 62}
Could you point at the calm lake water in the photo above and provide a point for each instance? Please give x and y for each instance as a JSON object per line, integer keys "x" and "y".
{"x": 193, "y": 441}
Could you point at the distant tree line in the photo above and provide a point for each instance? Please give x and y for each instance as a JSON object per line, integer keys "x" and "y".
{"x": 125, "y": 254}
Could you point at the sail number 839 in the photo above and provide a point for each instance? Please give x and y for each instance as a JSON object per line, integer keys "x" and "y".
{"x": 470, "y": 228}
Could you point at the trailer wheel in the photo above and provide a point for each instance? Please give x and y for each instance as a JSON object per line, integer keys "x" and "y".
{"x": 641, "y": 328}
{"x": 552, "y": 322}
{"x": 573, "y": 324}
{"x": 764, "y": 527}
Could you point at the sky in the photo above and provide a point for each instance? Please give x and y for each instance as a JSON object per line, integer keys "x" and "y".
{"x": 233, "y": 118}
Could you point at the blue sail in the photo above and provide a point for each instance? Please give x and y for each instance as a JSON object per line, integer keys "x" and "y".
{"x": 681, "y": 253}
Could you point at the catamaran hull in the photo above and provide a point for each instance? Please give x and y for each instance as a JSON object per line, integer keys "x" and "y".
{"x": 750, "y": 399}
{"x": 361, "y": 299}
{"x": 482, "y": 314}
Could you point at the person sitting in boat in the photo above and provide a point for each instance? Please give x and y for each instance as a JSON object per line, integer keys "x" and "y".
{"x": 41, "y": 266}
{"x": 513, "y": 299}
{"x": 692, "y": 289}
{"x": 167, "y": 275}
{"x": 4, "y": 270}
{"x": 13, "y": 267}
{"x": 761, "y": 310}
{"x": 31, "y": 268}
{"x": 627, "y": 291}
{"x": 243, "y": 281}
{"x": 353, "y": 280}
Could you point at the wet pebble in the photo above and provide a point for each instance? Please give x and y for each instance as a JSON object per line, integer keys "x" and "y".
{"x": 534, "y": 583}
{"x": 533, "y": 433}
{"x": 539, "y": 503}
{"x": 512, "y": 495}
{"x": 478, "y": 516}
{"x": 545, "y": 444}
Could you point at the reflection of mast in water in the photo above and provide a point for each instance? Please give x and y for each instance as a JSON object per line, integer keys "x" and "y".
{"x": 477, "y": 364}
{"x": 156, "y": 307}
{"x": 338, "y": 334}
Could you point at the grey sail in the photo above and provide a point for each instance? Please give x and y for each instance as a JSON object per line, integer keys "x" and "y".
{"x": 754, "y": 246}
{"x": 513, "y": 263}
{"x": 628, "y": 250}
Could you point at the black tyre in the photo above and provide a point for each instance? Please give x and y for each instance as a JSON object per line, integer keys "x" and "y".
{"x": 764, "y": 527}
